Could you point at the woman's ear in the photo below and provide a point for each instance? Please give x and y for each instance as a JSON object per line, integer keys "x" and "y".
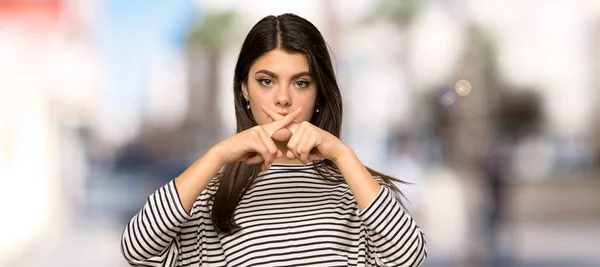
{"x": 245, "y": 91}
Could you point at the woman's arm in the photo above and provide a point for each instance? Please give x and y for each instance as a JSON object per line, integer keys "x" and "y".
{"x": 397, "y": 238}
{"x": 195, "y": 178}
{"x": 148, "y": 239}
{"x": 362, "y": 184}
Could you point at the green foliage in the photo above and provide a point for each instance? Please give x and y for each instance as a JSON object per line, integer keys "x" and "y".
{"x": 215, "y": 32}
{"x": 401, "y": 12}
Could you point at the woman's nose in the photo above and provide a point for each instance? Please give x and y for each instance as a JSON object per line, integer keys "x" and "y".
{"x": 283, "y": 98}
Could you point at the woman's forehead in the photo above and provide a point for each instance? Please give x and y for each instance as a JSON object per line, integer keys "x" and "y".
{"x": 281, "y": 62}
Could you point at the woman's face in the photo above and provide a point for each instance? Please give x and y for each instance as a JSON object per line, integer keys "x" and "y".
{"x": 281, "y": 81}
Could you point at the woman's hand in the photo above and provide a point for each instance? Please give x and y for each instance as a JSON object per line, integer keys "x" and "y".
{"x": 309, "y": 142}
{"x": 255, "y": 144}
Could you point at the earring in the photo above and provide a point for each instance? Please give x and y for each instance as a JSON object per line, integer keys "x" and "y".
{"x": 317, "y": 108}
{"x": 247, "y": 104}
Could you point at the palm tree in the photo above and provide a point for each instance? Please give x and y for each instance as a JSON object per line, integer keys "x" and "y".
{"x": 207, "y": 42}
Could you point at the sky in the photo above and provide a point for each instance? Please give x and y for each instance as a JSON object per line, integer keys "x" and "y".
{"x": 132, "y": 35}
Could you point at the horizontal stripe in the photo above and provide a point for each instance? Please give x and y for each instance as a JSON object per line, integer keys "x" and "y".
{"x": 290, "y": 216}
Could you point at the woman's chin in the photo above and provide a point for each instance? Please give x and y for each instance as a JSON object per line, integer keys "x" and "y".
{"x": 282, "y": 135}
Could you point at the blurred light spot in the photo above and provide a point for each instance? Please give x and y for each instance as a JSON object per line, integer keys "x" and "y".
{"x": 462, "y": 87}
{"x": 448, "y": 98}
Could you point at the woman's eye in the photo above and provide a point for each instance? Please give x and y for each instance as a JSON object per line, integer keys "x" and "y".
{"x": 302, "y": 84}
{"x": 265, "y": 82}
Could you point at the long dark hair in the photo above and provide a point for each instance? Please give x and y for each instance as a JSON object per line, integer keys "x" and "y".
{"x": 293, "y": 34}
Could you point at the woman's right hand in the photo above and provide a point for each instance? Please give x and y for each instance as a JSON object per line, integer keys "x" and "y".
{"x": 255, "y": 144}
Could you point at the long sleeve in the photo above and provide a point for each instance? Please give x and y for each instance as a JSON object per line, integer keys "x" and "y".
{"x": 397, "y": 239}
{"x": 149, "y": 238}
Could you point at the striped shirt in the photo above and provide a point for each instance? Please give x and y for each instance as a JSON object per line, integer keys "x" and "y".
{"x": 290, "y": 216}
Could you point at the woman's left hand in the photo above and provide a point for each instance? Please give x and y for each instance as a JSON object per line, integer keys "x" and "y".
{"x": 309, "y": 142}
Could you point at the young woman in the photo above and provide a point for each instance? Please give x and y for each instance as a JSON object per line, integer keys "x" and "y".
{"x": 284, "y": 190}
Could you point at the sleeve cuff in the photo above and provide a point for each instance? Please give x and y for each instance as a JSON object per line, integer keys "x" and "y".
{"x": 372, "y": 207}
{"x": 383, "y": 210}
{"x": 180, "y": 210}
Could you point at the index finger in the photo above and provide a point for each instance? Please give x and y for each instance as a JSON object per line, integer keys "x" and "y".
{"x": 271, "y": 113}
{"x": 277, "y": 125}
{"x": 292, "y": 126}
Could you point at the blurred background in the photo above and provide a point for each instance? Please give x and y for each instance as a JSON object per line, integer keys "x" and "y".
{"x": 488, "y": 107}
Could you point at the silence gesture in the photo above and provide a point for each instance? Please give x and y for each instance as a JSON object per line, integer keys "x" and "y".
{"x": 308, "y": 142}
{"x": 255, "y": 144}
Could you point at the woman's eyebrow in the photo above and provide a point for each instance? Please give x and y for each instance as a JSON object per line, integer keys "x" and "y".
{"x": 300, "y": 74}
{"x": 274, "y": 75}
